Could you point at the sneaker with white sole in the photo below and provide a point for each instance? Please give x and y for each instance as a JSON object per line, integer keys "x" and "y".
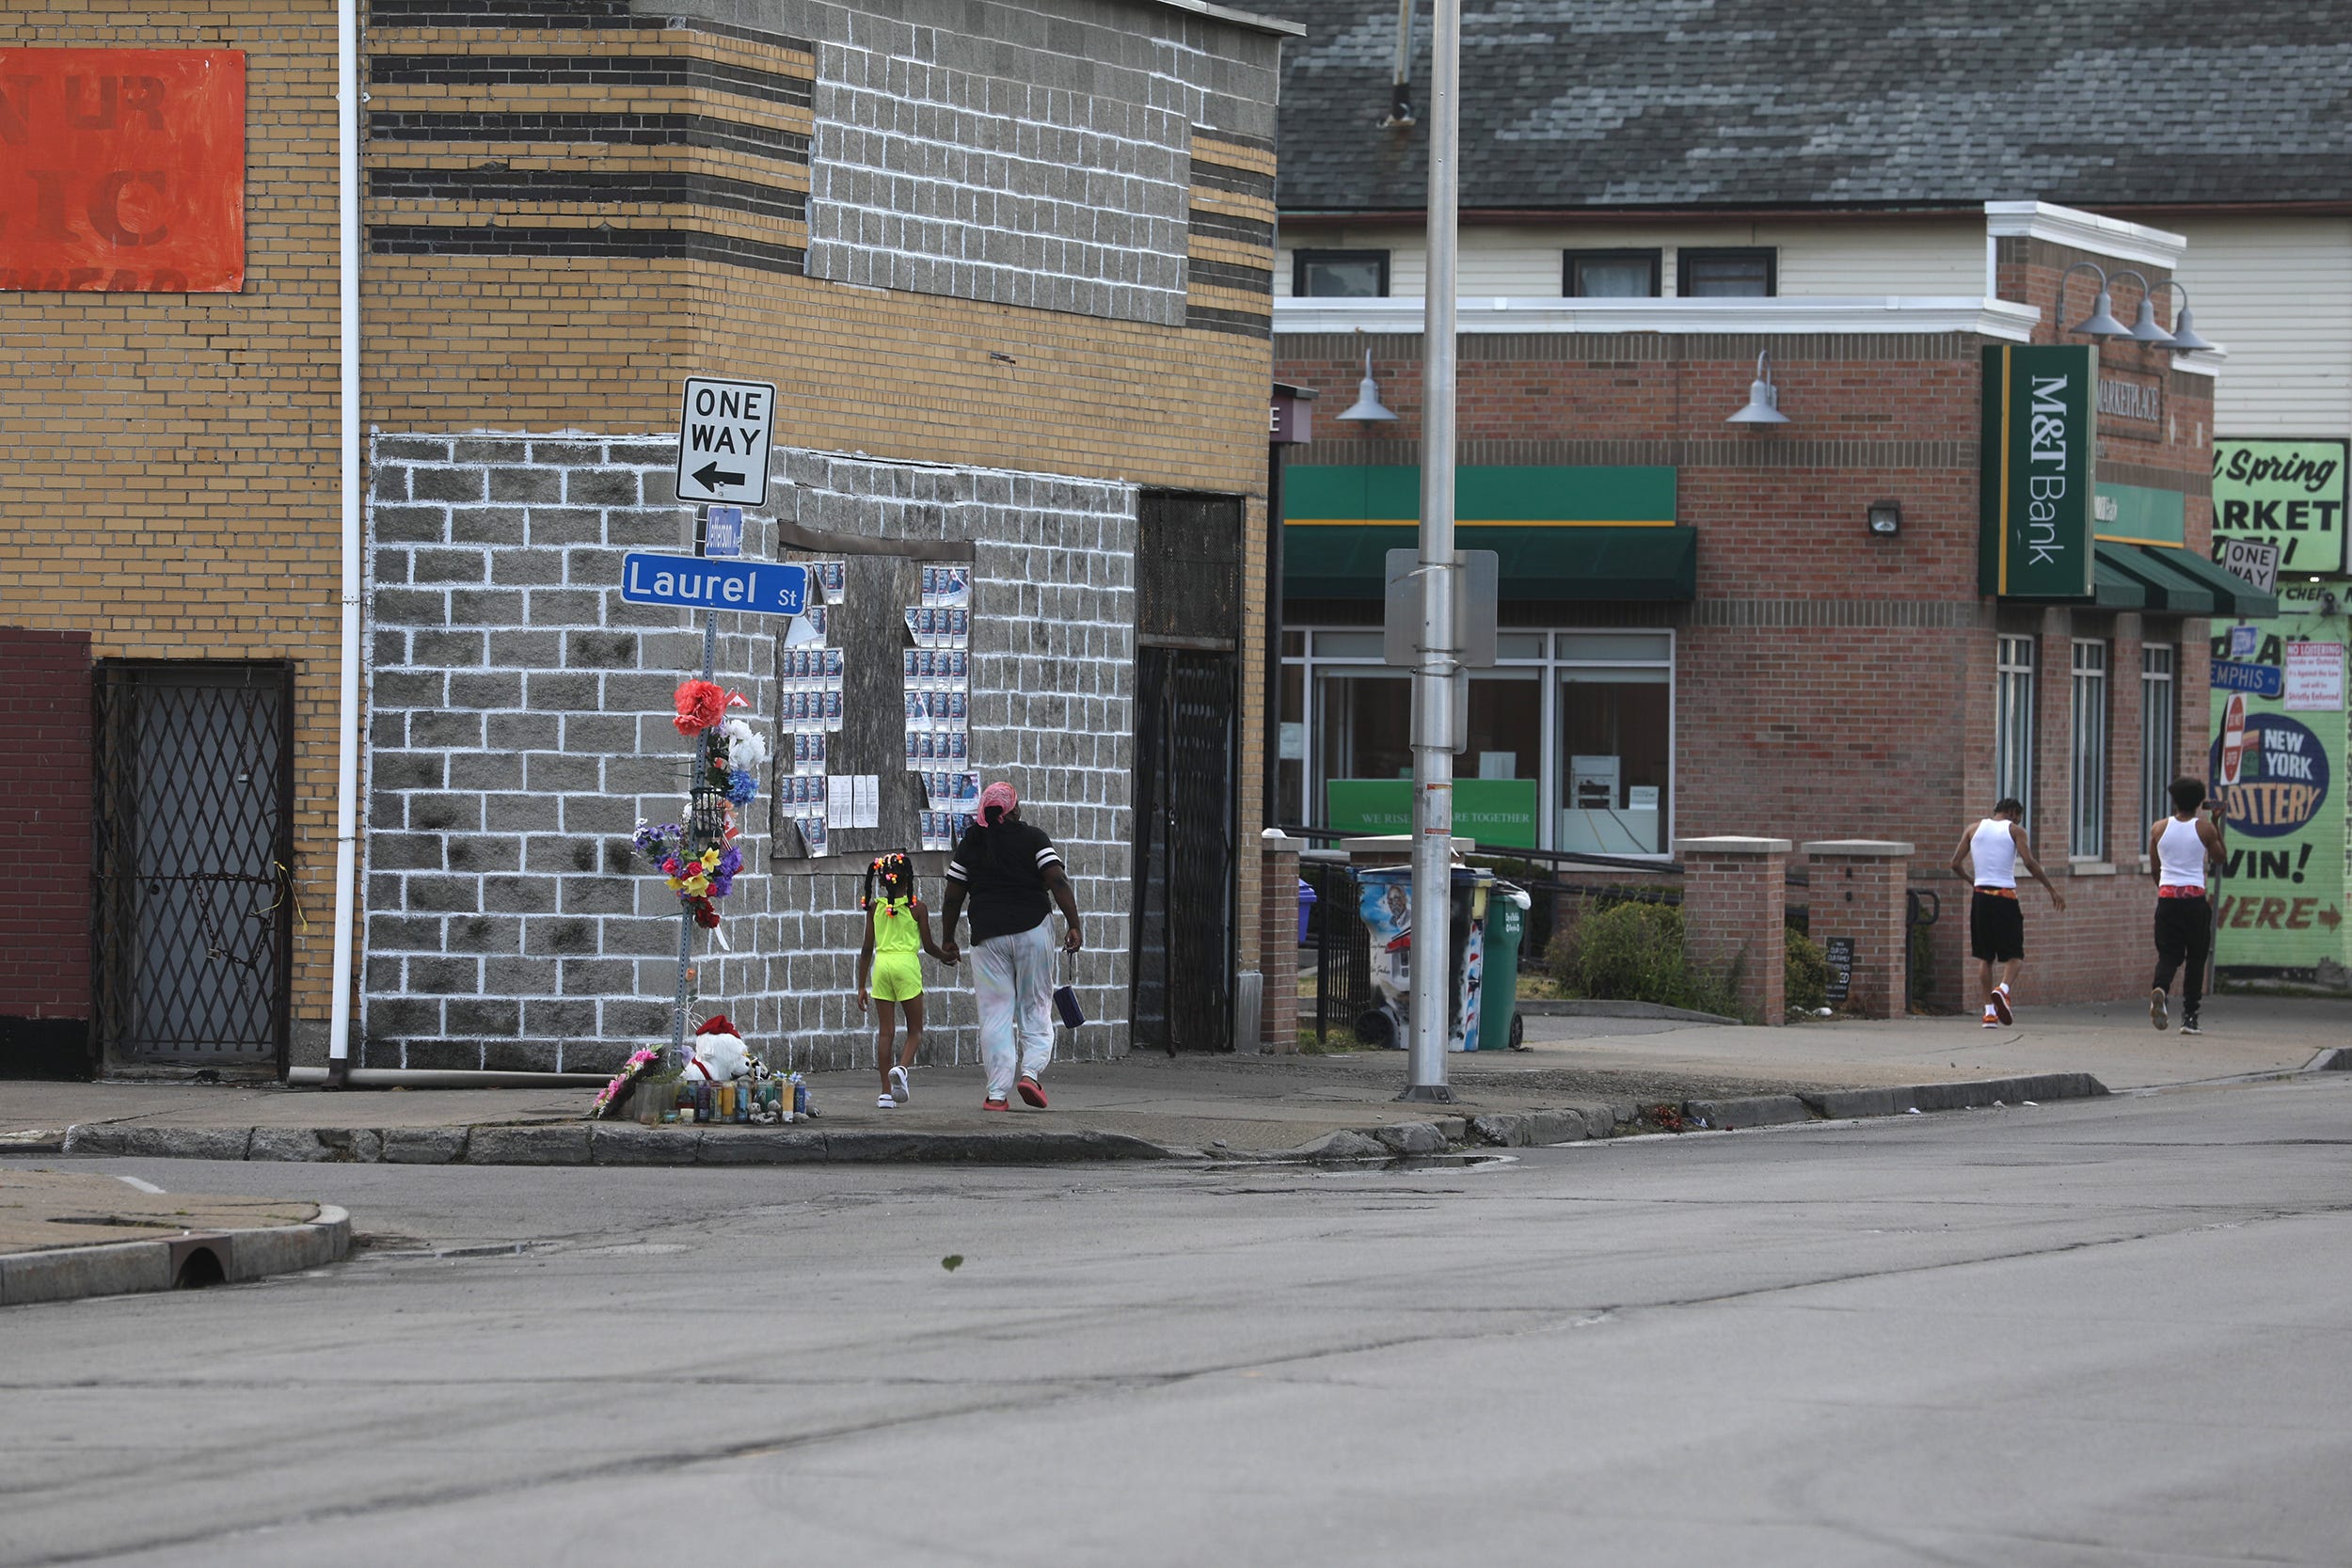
{"x": 1990, "y": 1021}
{"x": 1998, "y": 1002}
{"x": 2189, "y": 1024}
{"x": 885, "y": 1103}
{"x": 898, "y": 1089}
{"x": 2159, "y": 1008}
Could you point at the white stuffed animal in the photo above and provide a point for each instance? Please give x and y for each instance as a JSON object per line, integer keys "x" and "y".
{"x": 717, "y": 1052}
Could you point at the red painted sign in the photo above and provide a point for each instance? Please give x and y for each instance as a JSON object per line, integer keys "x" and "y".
{"x": 2233, "y": 739}
{"x": 122, "y": 170}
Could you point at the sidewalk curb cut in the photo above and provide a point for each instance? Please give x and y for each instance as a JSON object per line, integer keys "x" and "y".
{"x": 125, "y": 1268}
{"x": 612, "y": 1143}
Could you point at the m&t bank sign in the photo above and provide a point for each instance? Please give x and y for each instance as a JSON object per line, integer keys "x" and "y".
{"x": 2034, "y": 541}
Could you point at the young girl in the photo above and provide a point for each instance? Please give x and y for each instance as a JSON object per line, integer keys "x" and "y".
{"x": 888, "y": 970}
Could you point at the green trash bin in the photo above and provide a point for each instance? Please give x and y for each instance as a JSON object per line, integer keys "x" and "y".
{"x": 1499, "y": 1010}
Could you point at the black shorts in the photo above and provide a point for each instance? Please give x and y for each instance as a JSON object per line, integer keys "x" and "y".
{"x": 1997, "y": 928}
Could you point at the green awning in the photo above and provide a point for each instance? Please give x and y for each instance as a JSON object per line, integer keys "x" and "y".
{"x": 1349, "y": 560}
{"x": 2162, "y": 588}
{"x": 2232, "y": 594}
{"x": 2111, "y": 586}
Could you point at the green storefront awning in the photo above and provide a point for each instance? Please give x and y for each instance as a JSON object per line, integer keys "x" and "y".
{"x": 2111, "y": 586}
{"x": 2232, "y": 594}
{"x": 2159, "y": 587}
{"x": 1349, "y": 559}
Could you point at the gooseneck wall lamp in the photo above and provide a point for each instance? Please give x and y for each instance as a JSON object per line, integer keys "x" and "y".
{"x": 1763, "y": 397}
{"x": 2101, "y": 322}
{"x": 2185, "y": 339}
{"x": 1368, "y": 408}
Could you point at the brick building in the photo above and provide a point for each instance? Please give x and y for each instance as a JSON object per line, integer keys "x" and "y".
{"x": 1011, "y": 278}
{"x": 1702, "y": 633}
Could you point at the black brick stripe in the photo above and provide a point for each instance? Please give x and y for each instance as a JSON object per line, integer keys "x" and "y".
{"x": 569, "y": 15}
{"x": 633, "y": 71}
{"x": 629, "y": 130}
{"x": 635, "y": 243}
{"x": 1211, "y": 318}
{"x": 1218, "y": 226}
{"x": 1232, "y": 139}
{"x": 670, "y": 186}
{"x": 1244, "y": 181}
{"x": 1225, "y": 275}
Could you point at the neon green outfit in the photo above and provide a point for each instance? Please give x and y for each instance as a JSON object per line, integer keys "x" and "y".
{"x": 897, "y": 952}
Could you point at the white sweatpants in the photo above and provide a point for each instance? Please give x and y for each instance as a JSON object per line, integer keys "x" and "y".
{"x": 1014, "y": 979}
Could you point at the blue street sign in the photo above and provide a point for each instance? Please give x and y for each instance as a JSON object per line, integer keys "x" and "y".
{"x": 2244, "y": 641}
{"x": 723, "y": 531}
{"x": 2255, "y": 680}
{"x": 684, "y": 582}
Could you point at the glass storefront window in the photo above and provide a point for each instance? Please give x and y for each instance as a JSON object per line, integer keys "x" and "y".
{"x": 2013, "y": 724}
{"x": 2088, "y": 839}
{"x": 2159, "y": 721}
{"x": 1558, "y": 703}
{"x": 1617, "y": 747}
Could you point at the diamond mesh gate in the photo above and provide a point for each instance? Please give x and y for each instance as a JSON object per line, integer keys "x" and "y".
{"x": 194, "y": 862}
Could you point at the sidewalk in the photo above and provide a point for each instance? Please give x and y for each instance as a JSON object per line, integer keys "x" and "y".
{"x": 1583, "y": 1077}
{"x": 69, "y": 1234}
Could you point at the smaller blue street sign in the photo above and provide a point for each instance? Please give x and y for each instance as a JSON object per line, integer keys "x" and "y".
{"x": 685, "y": 582}
{"x": 722, "y": 532}
{"x": 2255, "y": 680}
{"x": 2244, "y": 641}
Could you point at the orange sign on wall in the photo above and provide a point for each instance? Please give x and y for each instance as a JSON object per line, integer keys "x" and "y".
{"x": 123, "y": 170}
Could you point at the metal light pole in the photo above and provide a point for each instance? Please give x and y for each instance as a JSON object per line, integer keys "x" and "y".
{"x": 1433, "y": 678}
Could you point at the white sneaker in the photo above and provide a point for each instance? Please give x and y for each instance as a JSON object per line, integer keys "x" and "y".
{"x": 885, "y": 1103}
{"x": 2159, "y": 1009}
{"x": 898, "y": 1089}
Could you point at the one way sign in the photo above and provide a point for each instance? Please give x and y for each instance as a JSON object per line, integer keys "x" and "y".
{"x": 723, "y": 441}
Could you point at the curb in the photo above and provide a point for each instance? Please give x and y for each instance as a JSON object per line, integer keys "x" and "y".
{"x": 1582, "y": 1007}
{"x": 195, "y": 1258}
{"x": 605, "y": 1144}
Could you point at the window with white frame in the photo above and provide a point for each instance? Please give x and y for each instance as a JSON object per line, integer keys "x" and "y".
{"x": 2012, "y": 724}
{"x": 2087, "y": 838}
{"x": 1586, "y": 719}
{"x": 2159, "y": 724}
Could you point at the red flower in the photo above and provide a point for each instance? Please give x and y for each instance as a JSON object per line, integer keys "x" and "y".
{"x": 701, "y": 706}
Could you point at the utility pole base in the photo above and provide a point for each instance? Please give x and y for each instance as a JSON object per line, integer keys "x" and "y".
{"x": 1429, "y": 1094}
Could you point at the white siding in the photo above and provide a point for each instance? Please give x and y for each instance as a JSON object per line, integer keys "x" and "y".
{"x": 2275, "y": 292}
{"x": 1828, "y": 258}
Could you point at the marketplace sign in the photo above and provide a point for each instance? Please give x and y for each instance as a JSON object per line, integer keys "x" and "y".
{"x": 2280, "y": 902}
{"x": 2037, "y": 497}
{"x": 2287, "y": 493}
{"x": 122, "y": 170}
{"x": 1491, "y": 812}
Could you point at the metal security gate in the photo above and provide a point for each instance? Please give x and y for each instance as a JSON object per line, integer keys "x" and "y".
{"x": 1184, "y": 959}
{"x": 194, "y": 863}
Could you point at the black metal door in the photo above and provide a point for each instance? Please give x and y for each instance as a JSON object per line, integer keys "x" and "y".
{"x": 1185, "y": 850}
{"x": 194, "y": 862}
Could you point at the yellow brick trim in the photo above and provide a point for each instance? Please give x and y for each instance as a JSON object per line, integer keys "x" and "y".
{"x": 1233, "y": 203}
{"x": 669, "y": 43}
{"x": 1209, "y": 150}
{"x": 1208, "y": 247}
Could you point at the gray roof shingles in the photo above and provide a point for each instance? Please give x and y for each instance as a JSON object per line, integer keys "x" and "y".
{"x": 1577, "y": 103}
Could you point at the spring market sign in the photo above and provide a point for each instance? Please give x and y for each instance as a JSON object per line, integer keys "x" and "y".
{"x": 122, "y": 170}
{"x": 2288, "y": 494}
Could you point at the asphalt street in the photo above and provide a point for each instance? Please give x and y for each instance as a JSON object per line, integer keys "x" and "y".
{"x": 2107, "y": 1332}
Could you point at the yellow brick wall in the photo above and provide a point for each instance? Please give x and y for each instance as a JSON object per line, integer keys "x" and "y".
{"x": 167, "y": 462}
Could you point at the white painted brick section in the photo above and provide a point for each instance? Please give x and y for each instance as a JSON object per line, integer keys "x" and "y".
{"x": 520, "y": 726}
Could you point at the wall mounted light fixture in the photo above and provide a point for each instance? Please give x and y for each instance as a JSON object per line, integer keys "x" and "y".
{"x": 1763, "y": 397}
{"x": 1368, "y": 408}
{"x": 1887, "y": 519}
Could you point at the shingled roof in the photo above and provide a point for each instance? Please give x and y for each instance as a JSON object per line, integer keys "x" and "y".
{"x": 1683, "y": 104}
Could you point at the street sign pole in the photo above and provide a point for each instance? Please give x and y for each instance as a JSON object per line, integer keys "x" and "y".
{"x": 695, "y": 775}
{"x": 1433, "y": 680}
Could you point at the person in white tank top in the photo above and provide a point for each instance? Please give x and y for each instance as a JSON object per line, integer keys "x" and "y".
{"x": 1989, "y": 855}
{"x": 2181, "y": 848}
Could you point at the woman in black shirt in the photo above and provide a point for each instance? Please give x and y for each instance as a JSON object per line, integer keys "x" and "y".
{"x": 1012, "y": 875}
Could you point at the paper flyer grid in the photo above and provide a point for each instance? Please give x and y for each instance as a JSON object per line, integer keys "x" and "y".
{"x": 938, "y": 673}
{"x": 811, "y": 679}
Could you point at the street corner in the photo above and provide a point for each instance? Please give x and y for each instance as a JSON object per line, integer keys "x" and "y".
{"x": 66, "y": 1235}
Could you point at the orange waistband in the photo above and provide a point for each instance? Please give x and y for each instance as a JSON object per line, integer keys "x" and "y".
{"x": 2178, "y": 889}
{"x": 1998, "y": 892}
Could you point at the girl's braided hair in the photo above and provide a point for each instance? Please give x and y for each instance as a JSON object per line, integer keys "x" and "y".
{"x": 895, "y": 873}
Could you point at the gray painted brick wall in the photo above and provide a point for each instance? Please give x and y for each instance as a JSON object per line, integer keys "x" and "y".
{"x": 1029, "y": 153}
{"x": 519, "y": 727}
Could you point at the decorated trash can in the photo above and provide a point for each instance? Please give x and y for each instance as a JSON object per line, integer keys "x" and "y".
{"x": 1385, "y": 898}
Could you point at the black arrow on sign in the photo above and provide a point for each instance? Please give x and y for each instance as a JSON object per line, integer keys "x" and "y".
{"x": 710, "y": 477}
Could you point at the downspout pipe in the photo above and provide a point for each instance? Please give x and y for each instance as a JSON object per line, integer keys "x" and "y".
{"x": 347, "y": 707}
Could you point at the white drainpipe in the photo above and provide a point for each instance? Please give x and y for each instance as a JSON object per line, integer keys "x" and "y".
{"x": 347, "y": 738}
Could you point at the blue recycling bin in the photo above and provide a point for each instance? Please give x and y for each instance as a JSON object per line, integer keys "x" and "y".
{"x": 1306, "y": 907}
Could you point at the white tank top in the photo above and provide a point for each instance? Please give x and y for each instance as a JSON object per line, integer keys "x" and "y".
{"x": 2181, "y": 853}
{"x": 1993, "y": 854}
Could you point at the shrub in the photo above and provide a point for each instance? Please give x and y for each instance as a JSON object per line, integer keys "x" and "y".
{"x": 1631, "y": 951}
{"x": 1806, "y": 972}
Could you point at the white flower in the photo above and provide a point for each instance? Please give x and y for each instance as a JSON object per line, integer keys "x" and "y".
{"x": 746, "y": 747}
